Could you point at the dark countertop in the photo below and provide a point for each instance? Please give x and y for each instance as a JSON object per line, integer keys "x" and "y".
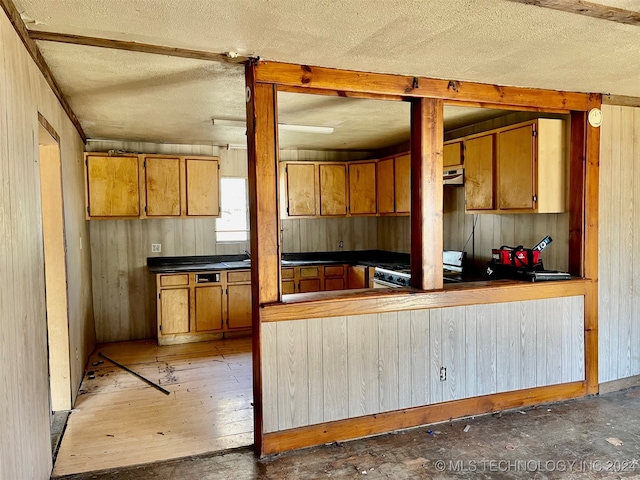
{"x": 199, "y": 263}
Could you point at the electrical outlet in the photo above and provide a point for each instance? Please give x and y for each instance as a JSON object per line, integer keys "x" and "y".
{"x": 341, "y": 244}
{"x": 443, "y": 374}
{"x": 156, "y": 248}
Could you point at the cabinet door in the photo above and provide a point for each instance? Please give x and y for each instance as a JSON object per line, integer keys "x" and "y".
{"x": 386, "y": 187}
{"x": 288, "y": 287}
{"x": 357, "y": 277}
{"x": 403, "y": 183}
{"x": 309, "y": 285}
{"x": 333, "y": 189}
{"x": 239, "y": 306}
{"x": 113, "y": 186}
{"x": 516, "y": 167}
{"x": 301, "y": 189}
{"x": 208, "y": 308}
{"x": 174, "y": 311}
{"x": 334, "y": 283}
{"x": 162, "y": 177}
{"x": 452, "y": 154}
{"x": 203, "y": 187}
{"x": 362, "y": 188}
{"x": 478, "y": 186}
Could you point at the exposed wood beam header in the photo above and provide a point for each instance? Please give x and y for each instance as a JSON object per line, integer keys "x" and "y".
{"x": 588, "y": 9}
{"x": 21, "y": 29}
{"x": 347, "y": 81}
{"x": 136, "y": 47}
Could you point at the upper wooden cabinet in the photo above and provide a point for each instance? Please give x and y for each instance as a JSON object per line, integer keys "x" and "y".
{"x": 452, "y": 154}
{"x": 386, "y": 186}
{"x": 333, "y": 189}
{"x": 479, "y": 172}
{"x": 403, "y": 183}
{"x": 362, "y": 188}
{"x": 202, "y": 187}
{"x": 301, "y": 189}
{"x": 315, "y": 189}
{"x": 112, "y": 186}
{"x": 152, "y": 186}
{"x": 517, "y": 169}
{"x": 394, "y": 185}
{"x": 162, "y": 186}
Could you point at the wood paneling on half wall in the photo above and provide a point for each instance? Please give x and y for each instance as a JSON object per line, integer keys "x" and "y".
{"x": 619, "y": 244}
{"x": 25, "y": 448}
{"x": 327, "y": 369}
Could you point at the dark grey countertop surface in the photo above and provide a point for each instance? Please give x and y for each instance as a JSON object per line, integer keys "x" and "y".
{"x": 200, "y": 263}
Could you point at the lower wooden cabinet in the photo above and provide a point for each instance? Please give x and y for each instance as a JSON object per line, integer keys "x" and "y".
{"x": 174, "y": 311}
{"x": 192, "y": 311}
{"x": 320, "y": 278}
{"x": 208, "y": 308}
{"x": 239, "y": 306}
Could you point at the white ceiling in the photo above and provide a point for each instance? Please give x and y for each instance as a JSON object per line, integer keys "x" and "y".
{"x": 126, "y": 95}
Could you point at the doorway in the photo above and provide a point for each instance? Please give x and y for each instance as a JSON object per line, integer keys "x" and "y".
{"x": 55, "y": 270}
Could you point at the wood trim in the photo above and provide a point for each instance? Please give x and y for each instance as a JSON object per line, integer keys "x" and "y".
{"x": 591, "y": 193}
{"x": 357, "y": 302}
{"x": 515, "y": 108}
{"x": 135, "y": 47}
{"x": 620, "y": 384}
{"x": 576, "y": 193}
{"x": 427, "y": 132}
{"x": 47, "y": 126}
{"x": 621, "y": 100}
{"x": 322, "y": 78}
{"x": 352, "y": 428}
{"x": 262, "y": 150}
{"x": 588, "y": 9}
{"x": 340, "y": 93}
{"x": 14, "y": 17}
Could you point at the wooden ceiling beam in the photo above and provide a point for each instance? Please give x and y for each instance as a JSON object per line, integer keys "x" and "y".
{"x": 136, "y": 47}
{"x": 348, "y": 81}
{"x": 21, "y": 29}
{"x": 588, "y": 9}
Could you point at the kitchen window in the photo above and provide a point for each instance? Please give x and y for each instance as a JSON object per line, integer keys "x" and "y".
{"x": 233, "y": 224}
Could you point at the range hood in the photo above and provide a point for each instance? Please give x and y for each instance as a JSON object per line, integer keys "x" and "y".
{"x": 453, "y": 177}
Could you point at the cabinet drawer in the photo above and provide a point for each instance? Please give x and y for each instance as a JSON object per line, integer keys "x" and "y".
{"x": 334, "y": 271}
{"x": 243, "y": 276}
{"x": 309, "y": 272}
{"x": 172, "y": 280}
{"x": 287, "y": 273}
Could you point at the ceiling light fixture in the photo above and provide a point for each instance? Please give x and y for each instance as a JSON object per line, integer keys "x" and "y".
{"x": 282, "y": 126}
{"x": 236, "y": 146}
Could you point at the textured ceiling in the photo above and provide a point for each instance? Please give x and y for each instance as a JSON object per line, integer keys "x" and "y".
{"x": 128, "y": 95}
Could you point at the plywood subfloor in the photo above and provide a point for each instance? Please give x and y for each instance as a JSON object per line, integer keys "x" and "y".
{"x": 119, "y": 420}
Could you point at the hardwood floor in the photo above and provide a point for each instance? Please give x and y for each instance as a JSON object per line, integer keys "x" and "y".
{"x": 119, "y": 420}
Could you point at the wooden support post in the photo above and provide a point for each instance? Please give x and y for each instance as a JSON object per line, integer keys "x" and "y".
{"x": 576, "y": 193}
{"x": 264, "y": 219}
{"x": 591, "y": 192}
{"x": 427, "y": 135}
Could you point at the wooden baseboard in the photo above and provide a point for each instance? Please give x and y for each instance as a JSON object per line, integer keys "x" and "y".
{"x": 620, "y": 384}
{"x": 353, "y": 428}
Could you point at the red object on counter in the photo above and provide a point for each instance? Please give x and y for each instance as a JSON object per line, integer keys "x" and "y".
{"x": 518, "y": 257}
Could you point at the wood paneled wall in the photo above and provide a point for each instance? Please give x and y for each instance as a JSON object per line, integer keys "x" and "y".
{"x": 326, "y": 369}
{"x": 619, "y": 241}
{"x": 25, "y": 450}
